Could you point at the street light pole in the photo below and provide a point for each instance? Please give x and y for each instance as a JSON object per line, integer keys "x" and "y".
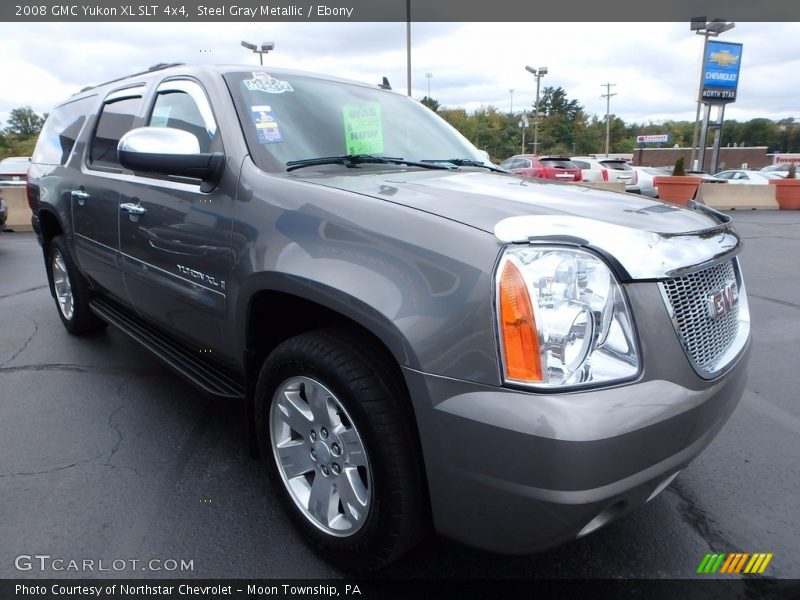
{"x": 428, "y": 76}
{"x": 702, "y": 26}
{"x": 511, "y": 105}
{"x": 260, "y": 50}
{"x": 538, "y": 73}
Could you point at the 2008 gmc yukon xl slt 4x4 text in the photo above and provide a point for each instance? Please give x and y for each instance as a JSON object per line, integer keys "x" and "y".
{"x": 419, "y": 336}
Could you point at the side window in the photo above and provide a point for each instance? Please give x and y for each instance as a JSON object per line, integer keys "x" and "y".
{"x": 507, "y": 163}
{"x": 183, "y": 105}
{"x": 61, "y": 130}
{"x": 114, "y": 122}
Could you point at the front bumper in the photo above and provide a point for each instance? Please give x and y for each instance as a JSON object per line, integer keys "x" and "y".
{"x": 518, "y": 472}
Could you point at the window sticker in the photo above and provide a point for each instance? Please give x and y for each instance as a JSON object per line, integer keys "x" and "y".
{"x": 363, "y": 129}
{"x": 266, "y": 125}
{"x": 262, "y": 82}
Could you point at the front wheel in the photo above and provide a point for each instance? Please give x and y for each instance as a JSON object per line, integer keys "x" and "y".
{"x": 338, "y": 437}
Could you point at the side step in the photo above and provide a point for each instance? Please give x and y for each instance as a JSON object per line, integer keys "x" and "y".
{"x": 207, "y": 377}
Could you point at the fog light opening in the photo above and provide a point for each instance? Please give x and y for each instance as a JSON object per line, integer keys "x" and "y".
{"x": 605, "y": 517}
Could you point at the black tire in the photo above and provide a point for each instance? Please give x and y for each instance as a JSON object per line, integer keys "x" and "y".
{"x": 368, "y": 390}
{"x": 81, "y": 319}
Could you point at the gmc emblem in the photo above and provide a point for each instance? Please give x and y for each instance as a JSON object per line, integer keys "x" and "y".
{"x": 722, "y": 302}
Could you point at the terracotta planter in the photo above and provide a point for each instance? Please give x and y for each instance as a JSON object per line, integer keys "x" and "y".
{"x": 787, "y": 193}
{"x": 678, "y": 189}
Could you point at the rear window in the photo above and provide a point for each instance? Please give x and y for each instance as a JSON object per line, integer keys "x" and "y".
{"x": 558, "y": 163}
{"x": 61, "y": 130}
{"x": 617, "y": 165}
{"x": 581, "y": 164}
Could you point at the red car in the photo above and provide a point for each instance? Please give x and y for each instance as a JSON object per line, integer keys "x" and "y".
{"x": 558, "y": 168}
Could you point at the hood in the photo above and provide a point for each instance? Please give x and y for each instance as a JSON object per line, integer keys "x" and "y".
{"x": 642, "y": 238}
{"x": 483, "y": 199}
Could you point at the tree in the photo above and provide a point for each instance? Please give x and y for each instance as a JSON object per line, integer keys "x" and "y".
{"x": 23, "y": 122}
{"x": 431, "y": 103}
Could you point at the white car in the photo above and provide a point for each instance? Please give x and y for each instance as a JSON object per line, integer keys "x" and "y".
{"x": 740, "y": 176}
{"x": 645, "y": 177}
{"x": 607, "y": 169}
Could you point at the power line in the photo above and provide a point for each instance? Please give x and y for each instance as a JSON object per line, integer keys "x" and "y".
{"x": 607, "y": 96}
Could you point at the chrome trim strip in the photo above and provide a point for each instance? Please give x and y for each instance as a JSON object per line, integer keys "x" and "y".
{"x": 151, "y": 266}
{"x": 642, "y": 254}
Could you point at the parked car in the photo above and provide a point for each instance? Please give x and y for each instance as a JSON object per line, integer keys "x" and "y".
{"x": 741, "y": 176}
{"x": 14, "y": 170}
{"x": 781, "y": 170}
{"x": 557, "y": 168}
{"x": 416, "y": 336}
{"x": 609, "y": 169}
{"x": 644, "y": 178}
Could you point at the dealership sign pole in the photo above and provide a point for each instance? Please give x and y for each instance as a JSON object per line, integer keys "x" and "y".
{"x": 721, "y": 64}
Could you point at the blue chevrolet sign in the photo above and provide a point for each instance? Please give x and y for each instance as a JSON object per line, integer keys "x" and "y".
{"x": 721, "y": 72}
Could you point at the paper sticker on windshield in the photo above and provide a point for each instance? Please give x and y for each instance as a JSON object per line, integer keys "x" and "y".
{"x": 266, "y": 125}
{"x": 261, "y": 82}
{"x": 363, "y": 130}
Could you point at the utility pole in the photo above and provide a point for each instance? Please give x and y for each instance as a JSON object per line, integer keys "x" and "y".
{"x": 511, "y": 107}
{"x": 607, "y": 96}
{"x": 428, "y": 76}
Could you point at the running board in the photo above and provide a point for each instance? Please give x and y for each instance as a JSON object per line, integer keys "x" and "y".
{"x": 209, "y": 378}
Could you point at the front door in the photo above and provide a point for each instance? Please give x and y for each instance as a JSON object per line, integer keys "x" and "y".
{"x": 175, "y": 238}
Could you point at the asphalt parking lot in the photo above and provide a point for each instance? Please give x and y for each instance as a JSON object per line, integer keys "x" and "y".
{"x": 105, "y": 454}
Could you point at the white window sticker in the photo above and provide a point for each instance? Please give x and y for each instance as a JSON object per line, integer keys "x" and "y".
{"x": 262, "y": 82}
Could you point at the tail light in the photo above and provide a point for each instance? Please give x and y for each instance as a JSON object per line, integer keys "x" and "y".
{"x": 578, "y": 175}
{"x": 605, "y": 174}
{"x": 29, "y": 193}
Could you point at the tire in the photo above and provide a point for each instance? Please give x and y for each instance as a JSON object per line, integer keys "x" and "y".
{"x": 70, "y": 290}
{"x": 335, "y": 428}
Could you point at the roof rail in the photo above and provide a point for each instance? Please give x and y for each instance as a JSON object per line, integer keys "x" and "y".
{"x": 157, "y": 67}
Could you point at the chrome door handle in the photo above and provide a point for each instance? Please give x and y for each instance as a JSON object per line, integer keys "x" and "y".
{"x": 132, "y": 209}
{"x": 80, "y": 196}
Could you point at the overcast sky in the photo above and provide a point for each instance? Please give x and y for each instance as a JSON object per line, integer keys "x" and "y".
{"x": 655, "y": 65}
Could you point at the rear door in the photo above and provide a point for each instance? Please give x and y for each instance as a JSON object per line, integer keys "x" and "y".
{"x": 175, "y": 238}
{"x": 95, "y": 198}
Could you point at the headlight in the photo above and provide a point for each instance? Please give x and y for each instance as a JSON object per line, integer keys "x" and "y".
{"x": 563, "y": 319}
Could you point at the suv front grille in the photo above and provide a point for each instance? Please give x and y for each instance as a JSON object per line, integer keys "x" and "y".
{"x": 704, "y": 338}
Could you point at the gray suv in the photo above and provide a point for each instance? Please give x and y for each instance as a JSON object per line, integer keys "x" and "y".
{"x": 421, "y": 339}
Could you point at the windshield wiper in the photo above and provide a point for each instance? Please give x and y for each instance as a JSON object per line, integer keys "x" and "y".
{"x": 465, "y": 162}
{"x": 353, "y": 160}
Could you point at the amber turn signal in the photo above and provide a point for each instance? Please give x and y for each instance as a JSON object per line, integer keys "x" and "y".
{"x": 521, "y": 357}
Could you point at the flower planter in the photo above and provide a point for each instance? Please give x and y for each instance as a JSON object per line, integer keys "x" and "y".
{"x": 678, "y": 189}
{"x": 787, "y": 193}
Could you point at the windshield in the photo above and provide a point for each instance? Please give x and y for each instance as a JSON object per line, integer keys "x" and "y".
{"x": 293, "y": 118}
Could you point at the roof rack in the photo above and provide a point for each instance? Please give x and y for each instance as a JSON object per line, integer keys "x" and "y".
{"x": 151, "y": 69}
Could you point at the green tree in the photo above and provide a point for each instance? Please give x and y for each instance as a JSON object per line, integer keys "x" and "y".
{"x": 431, "y": 103}
{"x": 24, "y": 122}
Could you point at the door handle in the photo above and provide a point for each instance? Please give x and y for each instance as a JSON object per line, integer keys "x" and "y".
{"x": 132, "y": 209}
{"x": 80, "y": 196}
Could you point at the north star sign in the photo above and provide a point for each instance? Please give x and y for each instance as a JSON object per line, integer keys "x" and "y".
{"x": 721, "y": 72}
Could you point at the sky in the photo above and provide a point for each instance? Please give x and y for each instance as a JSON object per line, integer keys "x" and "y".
{"x": 655, "y": 66}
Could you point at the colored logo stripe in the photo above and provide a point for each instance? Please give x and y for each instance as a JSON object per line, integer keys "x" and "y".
{"x": 734, "y": 562}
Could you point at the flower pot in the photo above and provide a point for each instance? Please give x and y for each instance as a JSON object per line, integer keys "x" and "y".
{"x": 677, "y": 188}
{"x": 787, "y": 193}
